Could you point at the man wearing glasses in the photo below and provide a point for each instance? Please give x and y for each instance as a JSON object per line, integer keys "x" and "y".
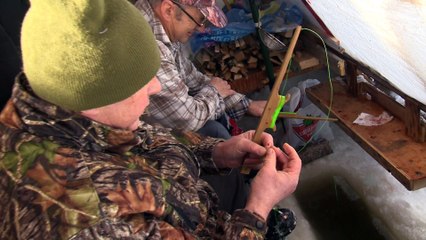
{"x": 190, "y": 100}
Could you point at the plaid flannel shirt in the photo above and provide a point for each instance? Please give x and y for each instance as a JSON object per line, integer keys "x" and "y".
{"x": 187, "y": 100}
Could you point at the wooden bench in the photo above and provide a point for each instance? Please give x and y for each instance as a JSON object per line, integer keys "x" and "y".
{"x": 389, "y": 144}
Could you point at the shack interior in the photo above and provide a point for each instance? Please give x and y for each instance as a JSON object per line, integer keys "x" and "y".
{"x": 363, "y": 180}
{"x": 368, "y": 179}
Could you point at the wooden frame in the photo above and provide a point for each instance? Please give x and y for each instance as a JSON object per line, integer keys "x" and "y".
{"x": 399, "y": 146}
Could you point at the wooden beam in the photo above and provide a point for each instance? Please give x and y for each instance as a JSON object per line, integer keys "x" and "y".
{"x": 413, "y": 122}
{"x": 351, "y": 76}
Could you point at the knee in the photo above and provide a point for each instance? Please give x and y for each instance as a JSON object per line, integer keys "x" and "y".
{"x": 214, "y": 129}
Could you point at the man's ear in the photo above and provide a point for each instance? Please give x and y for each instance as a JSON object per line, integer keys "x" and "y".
{"x": 166, "y": 10}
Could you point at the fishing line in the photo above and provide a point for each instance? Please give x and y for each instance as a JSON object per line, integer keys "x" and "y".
{"x": 330, "y": 83}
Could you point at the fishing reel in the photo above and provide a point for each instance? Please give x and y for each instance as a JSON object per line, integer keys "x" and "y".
{"x": 281, "y": 222}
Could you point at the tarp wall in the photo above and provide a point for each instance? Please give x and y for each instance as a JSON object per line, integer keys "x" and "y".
{"x": 387, "y": 35}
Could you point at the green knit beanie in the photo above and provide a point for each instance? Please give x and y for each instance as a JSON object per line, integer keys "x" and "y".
{"x": 83, "y": 54}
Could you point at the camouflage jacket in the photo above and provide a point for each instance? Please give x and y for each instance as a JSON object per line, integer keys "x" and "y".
{"x": 63, "y": 176}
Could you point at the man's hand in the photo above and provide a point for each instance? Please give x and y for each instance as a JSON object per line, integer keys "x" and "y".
{"x": 222, "y": 87}
{"x": 256, "y": 108}
{"x": 238, "y": 149}
{"x": 276, "y": 180}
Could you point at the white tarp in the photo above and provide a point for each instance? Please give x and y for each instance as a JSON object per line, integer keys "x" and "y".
{"x": 387, "y": 35}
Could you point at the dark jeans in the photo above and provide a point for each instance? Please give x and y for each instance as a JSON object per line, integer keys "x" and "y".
{"x": 231, "y": 189}
{"x": 215, "y": 129}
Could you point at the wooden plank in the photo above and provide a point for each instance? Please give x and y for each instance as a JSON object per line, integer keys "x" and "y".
{"x": 388, "y": 143}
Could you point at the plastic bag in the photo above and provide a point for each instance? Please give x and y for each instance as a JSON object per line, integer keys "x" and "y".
{"x": 282, "y": 20}
{"x": 300, "y": 132}
{"x": 294, "y": 102}
{"x": 304, "y": 101}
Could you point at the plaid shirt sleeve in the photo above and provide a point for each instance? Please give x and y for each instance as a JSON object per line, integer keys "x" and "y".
{"x": 183, "y": 103}
{"x": 237, "y": 105}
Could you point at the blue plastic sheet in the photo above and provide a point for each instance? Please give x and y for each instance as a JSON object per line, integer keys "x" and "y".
{"x": 276, "y": 18}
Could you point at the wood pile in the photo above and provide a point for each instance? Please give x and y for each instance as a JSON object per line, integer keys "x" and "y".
{"x": 239, "y": 62}
{"x": 305, "y": 60}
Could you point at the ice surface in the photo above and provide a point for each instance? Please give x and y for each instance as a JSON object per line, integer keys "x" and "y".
{"x": 397, "y": 212}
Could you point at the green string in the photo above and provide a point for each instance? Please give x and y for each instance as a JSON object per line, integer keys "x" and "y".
{"x": 286, "y": 77}
{"x": 329, "y": 80}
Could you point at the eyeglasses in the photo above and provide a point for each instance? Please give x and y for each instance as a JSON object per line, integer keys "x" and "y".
{"x": 203, "y": 22}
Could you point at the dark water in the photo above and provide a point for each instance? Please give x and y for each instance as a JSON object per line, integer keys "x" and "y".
{"x": 335, "y": 211}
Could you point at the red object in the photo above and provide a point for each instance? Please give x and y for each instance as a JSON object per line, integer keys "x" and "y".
{"x": 235, "y": 130}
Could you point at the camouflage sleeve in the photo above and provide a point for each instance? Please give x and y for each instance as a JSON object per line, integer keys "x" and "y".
{"x": 242, "y": 225}
{"x": 202, "y": 148}
{"x": 130, "y": 191}
{"x": 110, "y": 229}
{"x": 142, "y": 203}
{"x": 166, "y": 208}
{"x": 203, "y": 151}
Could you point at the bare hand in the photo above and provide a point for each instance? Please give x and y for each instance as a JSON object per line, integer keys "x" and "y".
{"x": 276, "y": 180}
{"x": 222, "y": 87}
{"x": 256, "y": 108}
{"x": 238, "y": 149}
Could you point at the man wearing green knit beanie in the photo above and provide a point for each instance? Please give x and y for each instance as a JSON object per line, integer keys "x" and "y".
{"x": 86, "y": 54}
{"x": 76, "y": 162}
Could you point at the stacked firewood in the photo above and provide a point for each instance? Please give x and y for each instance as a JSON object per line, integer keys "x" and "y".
{"x": 239, "y": 62}
{"x": 231, "y": 60}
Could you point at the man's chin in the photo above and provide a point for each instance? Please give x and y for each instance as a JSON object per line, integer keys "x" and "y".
{"x": 184, "y": 40}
